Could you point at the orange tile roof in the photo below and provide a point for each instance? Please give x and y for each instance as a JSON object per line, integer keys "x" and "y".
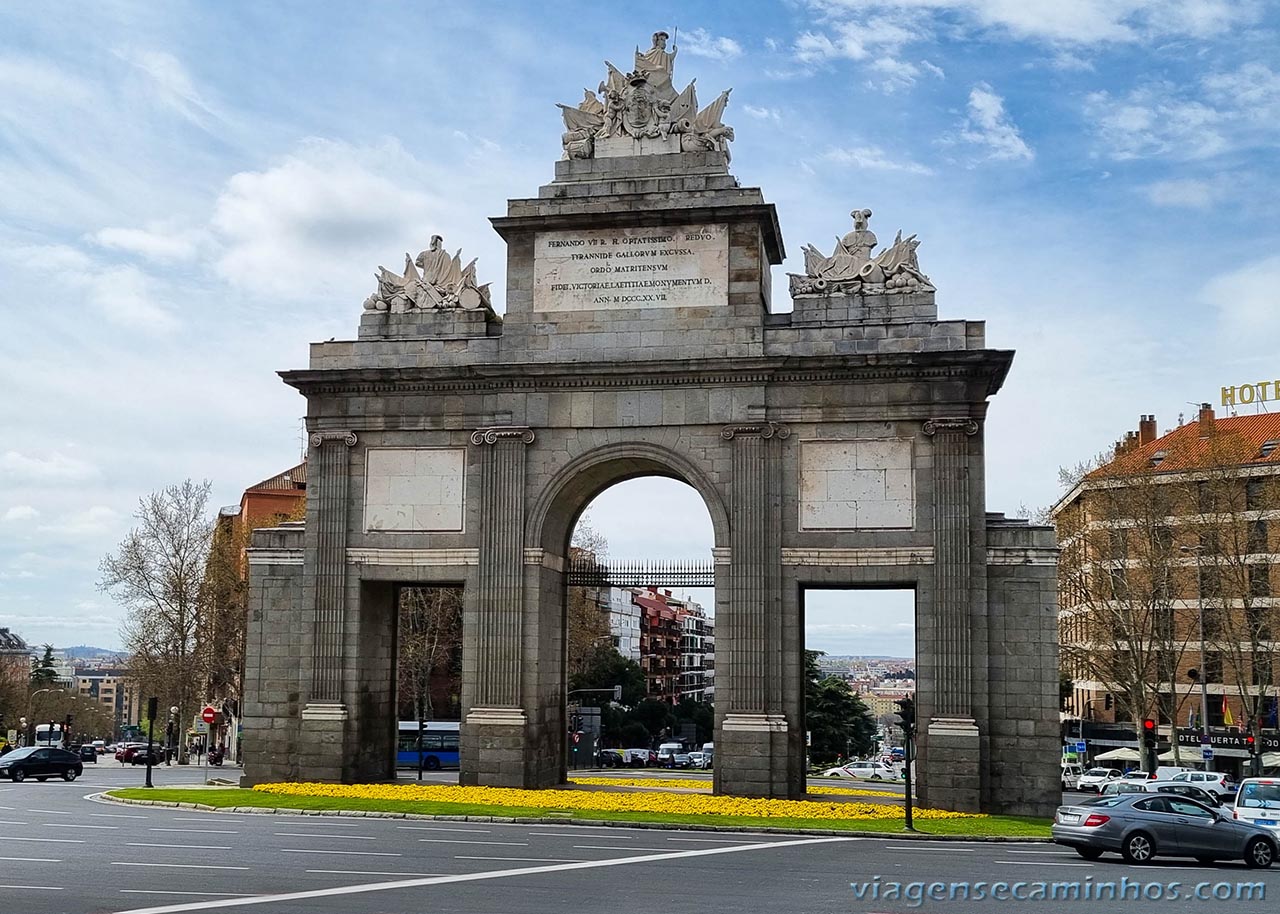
{"x": 1185, "y": 449}
{"x": 295, "y": 478}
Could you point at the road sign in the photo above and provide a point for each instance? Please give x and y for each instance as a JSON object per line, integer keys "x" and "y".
{"x": 1207, "y": 752}
{"x": 209, "y": 715}
{"x": 1081, "y": 746}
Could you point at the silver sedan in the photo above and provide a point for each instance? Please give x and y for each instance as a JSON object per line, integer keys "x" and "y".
{"x": 1138, "y": 826}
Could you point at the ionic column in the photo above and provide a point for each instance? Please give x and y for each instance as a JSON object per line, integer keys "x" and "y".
{"x": 952, "y": 557}
{"x": 500, "y": 577}
{"x": 327, "y": 490}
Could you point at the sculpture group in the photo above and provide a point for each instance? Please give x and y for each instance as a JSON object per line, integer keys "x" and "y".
{"x": 851, "y": 269}
{"x": 443, "y": 284}
{"x": 643, "y": 104}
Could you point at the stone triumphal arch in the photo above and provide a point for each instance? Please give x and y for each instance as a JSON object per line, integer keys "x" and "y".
{"x": 839, "y": 443}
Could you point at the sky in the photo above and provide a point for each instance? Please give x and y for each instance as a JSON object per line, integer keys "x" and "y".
{"x": 190, "y": 193}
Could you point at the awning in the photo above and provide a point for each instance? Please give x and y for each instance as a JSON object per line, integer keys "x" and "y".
{"x": 1119, "y": 755}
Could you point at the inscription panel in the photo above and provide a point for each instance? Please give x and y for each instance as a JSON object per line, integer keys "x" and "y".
{"x": 857, "y": 484}
{"x": 414, "y": 489}
{"x": 681, "y": 266}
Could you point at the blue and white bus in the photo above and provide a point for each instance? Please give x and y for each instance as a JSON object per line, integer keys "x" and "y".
{"x": 439, "y": 745}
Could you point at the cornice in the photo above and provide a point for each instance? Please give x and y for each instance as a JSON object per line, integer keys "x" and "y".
{"x": 988, "y": 364}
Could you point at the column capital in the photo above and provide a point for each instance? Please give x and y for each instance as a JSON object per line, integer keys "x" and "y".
{"x": 494, "y": 434}
{"x": 756, "y": 430}
{"x": 319, "y": 438}
{"x": 951, "y": 424}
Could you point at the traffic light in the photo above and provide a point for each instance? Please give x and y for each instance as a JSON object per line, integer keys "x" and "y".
{"x": 906, "y": 714}
{"x": 1149, "y": 736}
{"x": 1106, "y": 702}
{"x": 1251, "y": 743}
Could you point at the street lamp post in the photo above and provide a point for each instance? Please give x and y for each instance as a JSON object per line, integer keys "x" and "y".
{"x": 1197, "y": 551}
{"x": 31, "y": 712}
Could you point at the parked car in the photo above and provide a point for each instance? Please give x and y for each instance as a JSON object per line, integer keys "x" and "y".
{"x": 872, "y": 771}
{"x": 41, "y": 763}
{"x": 1135, "y": 774}
{"x": 635, "y": 758}
{"x": 1190, "y": 791}
{"x": 695, "y": 759}
{"x": 1213, "y": 781}
{"x": 682, "y": 760}
{"x": 667, "y": 754}
{"x": 1169, "y": 772}
{"x": 610, "y": 758}
{"x": 1094, "y": 778}
{"x": 1120, "y": 786}
{"x": 1071, "y": 777}
{"x": 88, "y": 753}
{"x": 1140, "y": 826}
{"x": 1258, "y": 803}
{"x": 139, "y": 756}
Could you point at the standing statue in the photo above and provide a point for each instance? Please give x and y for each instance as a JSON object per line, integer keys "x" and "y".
{"x": 657, "y": 65}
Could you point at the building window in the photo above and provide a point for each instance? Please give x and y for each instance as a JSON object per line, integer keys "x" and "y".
{"x": 1260, "y": 580}
{"x": 1212, "y": 622}
{"x": 1213, "y": 667}
{"x": 1259, "y": 618}
{"x": 1258, "y": 537}
{"x": 1210, "y": 582}
{"x": 1253, "y": 495}
{"x": 1263, "y": 671}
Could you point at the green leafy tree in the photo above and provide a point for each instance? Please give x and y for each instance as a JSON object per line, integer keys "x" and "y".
{"x": 43, "y": 675}
{"x": 604, "y": 668}
{"x": 838, "y": 721}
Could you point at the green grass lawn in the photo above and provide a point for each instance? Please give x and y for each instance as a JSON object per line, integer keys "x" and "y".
{"x": 992, "y": 826}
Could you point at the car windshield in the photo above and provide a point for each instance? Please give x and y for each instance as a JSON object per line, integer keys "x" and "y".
{"x": 1097, "y": 772}
{"x": 18, "y": 753}
{"x": 1263, "y": 796}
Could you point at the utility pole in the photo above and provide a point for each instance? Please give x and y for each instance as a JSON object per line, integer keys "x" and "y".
{"x": 907, "y": 721}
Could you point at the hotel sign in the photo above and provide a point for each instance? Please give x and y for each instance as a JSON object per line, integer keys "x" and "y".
{"x": 1257, "y": 392}
{"x": 1229, "y": 739}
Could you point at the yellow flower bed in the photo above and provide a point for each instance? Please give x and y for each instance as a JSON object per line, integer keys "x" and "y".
{"x": 600, "y": 801}
{"x": 682, "y": 784}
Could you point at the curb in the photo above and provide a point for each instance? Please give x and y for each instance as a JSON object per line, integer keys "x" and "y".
{"x": 594, "y": 823}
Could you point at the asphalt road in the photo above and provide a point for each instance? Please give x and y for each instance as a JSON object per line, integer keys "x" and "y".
{"x": 62, "y": 851}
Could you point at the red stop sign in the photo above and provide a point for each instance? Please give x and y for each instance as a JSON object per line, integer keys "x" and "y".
{"x": 208, "y": 715}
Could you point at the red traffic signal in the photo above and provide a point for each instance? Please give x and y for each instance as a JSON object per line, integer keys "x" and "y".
{"x": 1149, "y": 735}
{"x": 1251, "y": 743}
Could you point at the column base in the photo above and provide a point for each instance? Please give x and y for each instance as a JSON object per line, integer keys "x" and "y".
{"x": 322, "y": 742}
{"x": 752, "y": 758}
{"x": 953, "y": 763}
{"x": 498, "y": 751}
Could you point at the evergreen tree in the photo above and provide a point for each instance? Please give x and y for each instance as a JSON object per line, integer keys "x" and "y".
{"x": 43, "y": 675}
{"x": 838, "y": 721}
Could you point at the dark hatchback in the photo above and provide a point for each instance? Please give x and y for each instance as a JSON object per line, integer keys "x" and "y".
{"x": 41, "y": 763}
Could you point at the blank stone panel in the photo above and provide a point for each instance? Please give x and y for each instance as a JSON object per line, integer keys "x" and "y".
{"x": 414, "y": 490}
{"x": 860, "y": 484}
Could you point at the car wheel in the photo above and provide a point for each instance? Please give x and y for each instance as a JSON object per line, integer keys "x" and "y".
{"x": 18, "y": 775}
{"x": 1138, "y": 848}
{"x": 875, "y": 777}
{"x": 433, "y": 764}
{"x": 1089, "y": 853}
{"x": 69, "y": 774}
{"x": 1259, "y": 854}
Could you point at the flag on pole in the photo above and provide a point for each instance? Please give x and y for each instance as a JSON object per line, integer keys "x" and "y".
{"x": 1227, "y": 719}
{"x": 1191, "y": 718}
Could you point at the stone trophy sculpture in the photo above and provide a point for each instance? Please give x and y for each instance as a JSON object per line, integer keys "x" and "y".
{"x": 851, "y": 270}
{"x": 643, "y": 105}
{"x": 443, "y": 285}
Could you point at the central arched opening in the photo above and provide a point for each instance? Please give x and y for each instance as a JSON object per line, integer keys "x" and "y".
{"x": 637, "y": 535}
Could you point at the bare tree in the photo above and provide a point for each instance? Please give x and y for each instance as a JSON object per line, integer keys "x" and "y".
{"x": 586, "y": 624}
{"x": 1120, "y": 572}
{"x": 157, "y": 574}
{"x": 430, "y": 633}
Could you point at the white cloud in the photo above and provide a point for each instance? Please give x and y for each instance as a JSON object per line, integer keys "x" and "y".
{"x": 19, "y": 513}
{"x": 763, "y": 114}
{"x": 1245, "y": 299}
{"x": 1186, "y": 192}
{"x": 127, "y": 296}
{"x": 170, "y": 84}
{"x": 702, "y": 43}
{"x": 89, "y": 522}
{"x": 988, "y": 125}
{"x": 51, "y": 467}
{"x": 155, "y": 243}
{"x": 873, "y": 158}
{"x": 897, "y": 74}
{"x": 1156, "y": 120}
{"x": 320, "y": 218}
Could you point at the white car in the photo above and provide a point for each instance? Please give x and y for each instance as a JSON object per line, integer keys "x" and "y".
{"x": 1094, "y": 778}
{"x": 871, "y": 771}
{"x": 1258, "y": 803}
{"x": 1071, "y": 777}
{"x": 1212, "y": 781}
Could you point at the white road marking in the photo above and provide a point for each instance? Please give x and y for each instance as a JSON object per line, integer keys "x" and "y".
{"x": 11, "y": 822}
{"x": 193, "y": 847}
{"x": 114, "y": 815}
{"x": 465, "y": 841}
{"x": 566, "y": 834}
{"x": 475, "y": 877}
{"x": 50, "y": 812}
{"x": 372, "y": 873}
{"x": 46, "y": 840}
{"x": 476, "y": 831}
{"x": 708, "y": 840}
{"x": 32, "y": 859}
{"x": 929, "y": 847}
{"x": 183, "y": 866}
{"x": 1038, "y": 863}
{"x": 520, "y": 859}
{"x": 299, "y": 834}
{"x": 221, "y": 821}
{"x": 311, "y": 850}
{"x": 70, "y": 825}
{"x": 611, "y": 847}
{"x": 42, "y": 888}
{"x": 1057, "y": 853}
{"x": 199, "y": 831}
